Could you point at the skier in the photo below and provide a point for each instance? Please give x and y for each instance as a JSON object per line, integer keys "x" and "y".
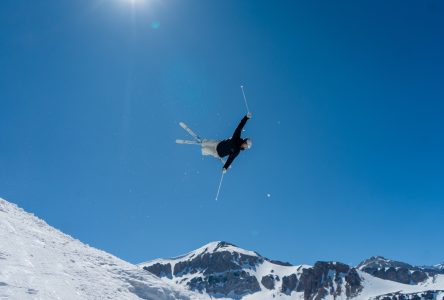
{"x": 230, "y": 147}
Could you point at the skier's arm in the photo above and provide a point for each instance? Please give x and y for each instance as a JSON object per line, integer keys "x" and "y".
{"x": 238, "y": 131}
{"x": 230, "y": 160}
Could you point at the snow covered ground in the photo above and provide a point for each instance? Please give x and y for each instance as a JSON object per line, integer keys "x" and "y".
{"x": 40, "y": 262}
{"x": 374, "y": 286}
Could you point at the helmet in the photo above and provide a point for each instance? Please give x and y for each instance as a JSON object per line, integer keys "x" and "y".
{"x": 248, "y": 142}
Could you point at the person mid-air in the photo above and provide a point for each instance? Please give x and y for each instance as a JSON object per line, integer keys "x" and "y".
{"x": 230, "y": 147}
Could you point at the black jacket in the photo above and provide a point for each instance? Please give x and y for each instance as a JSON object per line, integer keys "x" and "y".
{"x": 232, "y": 147}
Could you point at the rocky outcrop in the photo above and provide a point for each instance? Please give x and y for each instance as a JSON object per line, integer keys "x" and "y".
{"x": 329, "y": 278}
{"x": 383, "y": 268}
{"x": 426, "y": 295}
{"x": 353, "y": 283}
{"x": 160, "y": 270}
{"x": 216, "y": 262}
{"x": 289, "y": 284}
{"x": 233, "y": 283}
{"x": 279, "y": 263}
{"x": 268, "y": 281}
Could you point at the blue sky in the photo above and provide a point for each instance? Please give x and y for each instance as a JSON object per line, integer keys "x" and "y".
{"x": 347, "y": 103}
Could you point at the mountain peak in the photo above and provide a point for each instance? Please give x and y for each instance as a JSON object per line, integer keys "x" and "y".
{"x": 393, "y": 270}
{"x": 216, "y": 247}
{"x": 380, "y": 262}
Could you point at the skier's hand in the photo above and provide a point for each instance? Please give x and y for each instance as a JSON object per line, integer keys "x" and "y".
{"x": 224, "y": 170}
{"x": 249, "y": 115}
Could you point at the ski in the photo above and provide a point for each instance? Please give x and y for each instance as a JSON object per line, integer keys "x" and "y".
{"x": 195, "y": 136}
{"x": 187, "y": 142}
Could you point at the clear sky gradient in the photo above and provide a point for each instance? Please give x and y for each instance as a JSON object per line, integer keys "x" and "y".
{"x": 347, "y": 128}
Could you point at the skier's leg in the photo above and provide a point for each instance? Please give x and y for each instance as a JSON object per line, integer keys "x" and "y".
{"x": 209, "y": 147}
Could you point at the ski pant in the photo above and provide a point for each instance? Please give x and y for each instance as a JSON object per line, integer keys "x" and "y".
{"x": 209, "y": 147}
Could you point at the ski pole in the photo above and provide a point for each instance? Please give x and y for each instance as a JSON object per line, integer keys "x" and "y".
{"x": 245, "y": 99}
{"x": 220, "y": 184}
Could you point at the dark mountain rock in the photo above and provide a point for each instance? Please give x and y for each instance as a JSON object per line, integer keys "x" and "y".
{"x": 329, "y": 277}
{"x": 381, "y": 262}
{"x": 426, "y": 295}
{"x": 160, "y": 270}
{"x": 383, "y": 268}
{"x": 268, "y": 281}
{"x": 289, "y": 284}
{"x": 279, "y": 263}
{"x": 353, "y": 286}
{"x": 233, "y": 283}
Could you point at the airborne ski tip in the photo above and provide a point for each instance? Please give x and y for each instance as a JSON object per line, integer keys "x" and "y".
{"x": 190, "y": 132}
{"x": 187, "y": 142}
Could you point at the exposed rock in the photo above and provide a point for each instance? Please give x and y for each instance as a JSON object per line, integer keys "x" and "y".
{"x": 329, "y": 278}
{"x": 353, "y": 283}
{"x": 160, "y": 270}
{"x": 280, "y": 263}
{"x": 268, "y": 281}
{"x": 383, "y": 268}
{"x": 237, "y": 284}
{"x": 418, "y": 276}
{"x": 216, "y": 262}
{"x": 289, "y": 284}
{"x": 426, "y": 295}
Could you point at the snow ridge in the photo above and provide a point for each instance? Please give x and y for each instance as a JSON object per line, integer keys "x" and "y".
{"x": 38, "y": 261}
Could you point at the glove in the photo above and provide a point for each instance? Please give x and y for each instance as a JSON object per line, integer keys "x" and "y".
{"x": 249, "y": 115}
{"x": 224, "y": 170}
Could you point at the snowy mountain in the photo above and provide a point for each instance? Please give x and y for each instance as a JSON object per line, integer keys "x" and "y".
{"x": 39, "y": 262}
{"x": 397, "y": 271}
{"x": 220, "y": 269}
{"x": 439, "y": 267}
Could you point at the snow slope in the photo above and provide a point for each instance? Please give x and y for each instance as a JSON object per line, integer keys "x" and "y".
{"x": 374, "y": 286}
{"x": 40, "y": 262}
